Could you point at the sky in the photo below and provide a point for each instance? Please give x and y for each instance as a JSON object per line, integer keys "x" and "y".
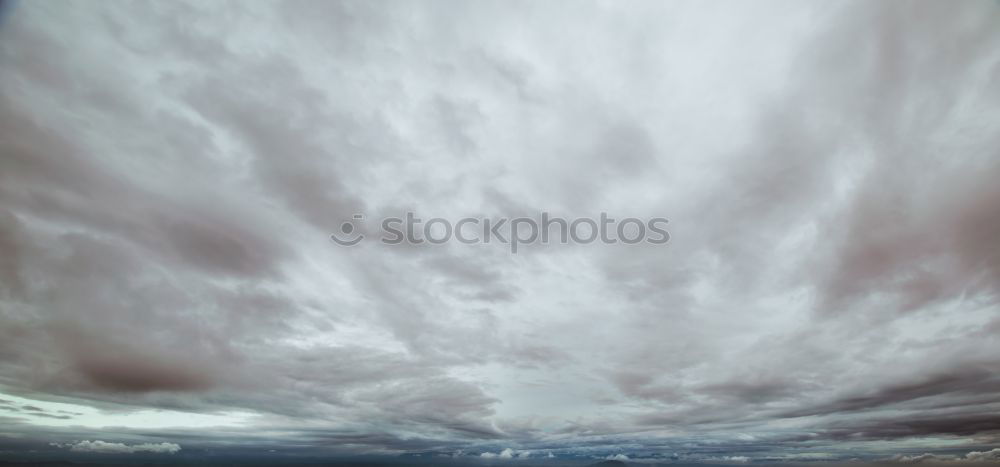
{"x": 171, "y": 174}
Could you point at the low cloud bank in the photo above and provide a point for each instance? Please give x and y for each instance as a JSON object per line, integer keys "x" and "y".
{"x": 974, "y": 456}
{"x": 119, "y": 448}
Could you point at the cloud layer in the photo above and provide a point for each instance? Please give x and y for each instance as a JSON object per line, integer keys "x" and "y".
{"x": 119, "y": 448}
{"x": 170, "y": 174}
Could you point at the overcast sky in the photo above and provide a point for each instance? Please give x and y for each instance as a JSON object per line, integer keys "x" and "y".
{"x": 171, "y": 173}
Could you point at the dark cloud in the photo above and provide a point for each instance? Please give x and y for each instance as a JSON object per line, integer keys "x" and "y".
{"x": 956, "y": 382}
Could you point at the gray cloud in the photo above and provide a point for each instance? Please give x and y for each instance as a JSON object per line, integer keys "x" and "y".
{"x": 829, "y": 291}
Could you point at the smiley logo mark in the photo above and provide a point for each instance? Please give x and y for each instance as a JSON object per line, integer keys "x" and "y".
{"x": 345, "y": 238}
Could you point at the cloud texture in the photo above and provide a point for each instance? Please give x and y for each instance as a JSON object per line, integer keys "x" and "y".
{"x": 119, "y": 448}
{"x": 170, "y": 174}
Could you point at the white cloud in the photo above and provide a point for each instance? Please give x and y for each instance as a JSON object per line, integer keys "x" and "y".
{"x": 732, "y": 459}
{"x": 916, "y": 459}
{"x": 507, "y": 453}
{"x": 974, "y": 456}
{"x": 992, "y": 455}
{"x": 119, "y": 448}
